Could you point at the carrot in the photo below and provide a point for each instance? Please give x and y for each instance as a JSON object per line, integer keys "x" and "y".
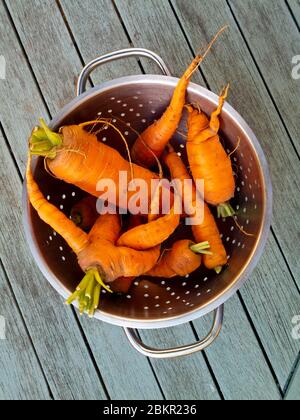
{"x": 208, "y": 159}
{"x": 73, "y": 235}
{"x": 152, "y": 233}
{"x": 207, "y": 230}
{"x": 97, "y": 254}
{"x": 152, "y": 142}
{"x": 84, "y": 213}
{"x": 77, "y": 157}
{"x": 184, "y": 258}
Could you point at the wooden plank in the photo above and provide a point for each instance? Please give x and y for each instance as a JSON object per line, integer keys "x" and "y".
{"x": 255, "y": 381}
{"x": 284, "y": 163}
{"x": 55, "y": 334}
{"x": 293, "y": 392}
{"x": 21, "y": 377}
{"x": 274, "y": 50}
{"x": 250, "y": 97}
{"x": 295, "y": 8}
{"x": 126, "y": 373}
{"x": 157, "y": 17}
{"x": 184, "y": 378}
{"x": 100, "y": 337}
{"x": 96, "y": 26}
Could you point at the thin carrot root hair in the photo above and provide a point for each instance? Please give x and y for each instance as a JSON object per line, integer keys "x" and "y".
{"x": 236, "y": 148}
{"x": 159, "y": 165}
{"x": 241, "y": 228}
{"x": 206, "y": 52}
{"x": 105, "y": 122}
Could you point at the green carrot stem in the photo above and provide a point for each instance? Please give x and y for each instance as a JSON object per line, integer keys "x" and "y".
{"x": 44, "y": 142}
{"x": 201, "y": 248}
{"x": 225, "y": 210}
{"x": 218, "y": 269}
{"x": 100, "y": 281}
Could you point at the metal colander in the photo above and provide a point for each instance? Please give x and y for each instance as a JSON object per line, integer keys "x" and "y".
{"x": 133, "y": 103}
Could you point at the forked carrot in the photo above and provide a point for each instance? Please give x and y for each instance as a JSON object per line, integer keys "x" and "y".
{"x": 208, "y": 159}
{"x": 97, "y": 254}
{"x": 207, "y": 230}
{"x": 154, "y": 139}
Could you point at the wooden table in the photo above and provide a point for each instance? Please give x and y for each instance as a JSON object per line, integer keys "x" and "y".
{"x": 49, "y": 353}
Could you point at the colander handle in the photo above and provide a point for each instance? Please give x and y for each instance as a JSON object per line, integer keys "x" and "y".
{"x": 182, "y": 350}
{"x": 118, "y": 55}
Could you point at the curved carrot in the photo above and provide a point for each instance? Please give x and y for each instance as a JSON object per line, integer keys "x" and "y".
{"x": 150, "y": 234}
{"x": 181, "y": 260}
{"x": 208, "y": 229}
{"x": 84, "y": 213}
{"x": 77, "y": 157}
{"x": 209, "y": 161}
{"x": 152, "y": 142}
{"x": 73, "y": 235}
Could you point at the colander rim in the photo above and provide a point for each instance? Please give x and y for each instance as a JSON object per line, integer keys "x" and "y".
{"x": 258, "y": 248}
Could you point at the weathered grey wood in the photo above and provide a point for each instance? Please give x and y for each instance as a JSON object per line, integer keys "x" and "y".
{"x": 183, "y": 378}
{"x": 54, "y": 332}
{"x": 273, "y": 50}
{"x": 126, "y": 373}
{"x": 100, "y": 337}
{"x": 255, "y": 381}
{"x": 295, "y": 7}
{"x": 21, "y": 377}
{"x": 293, "y": 392}
{"x": 250, "y": 97}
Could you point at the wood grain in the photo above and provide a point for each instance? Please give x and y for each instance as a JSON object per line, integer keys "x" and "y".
{"x": 237, "y": 351}
{"x": 184, "y": 378}
{"x": 295, "y": 7}
{"x": 274, "y": 50}
{"x": 21, "y": 377}
{"x": 293, "y": 392}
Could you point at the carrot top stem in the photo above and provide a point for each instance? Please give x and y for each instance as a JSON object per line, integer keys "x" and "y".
{"x": 88, "y": 292}
{"x": 218, "y": 269}
{"x": 225, "y": 210}
{"x": 201, "y": 248}
{"x": 44, "y": 142}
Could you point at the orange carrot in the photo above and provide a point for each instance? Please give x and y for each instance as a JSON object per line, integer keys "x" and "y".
{"x": 77, "y": 157}
{"x": 207, "y": 230}
{"x": 152, "y": 142}
{"x": 184, "y": 258}
{"x": 208, "y": 159}
{"x": 150, "y": 234}
{"x": 84, "y": 213}
{"x": 73, "y": 235}
{"x": 97, "y": 254}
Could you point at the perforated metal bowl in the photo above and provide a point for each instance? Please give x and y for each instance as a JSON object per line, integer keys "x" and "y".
{"x": 138, "y": 100}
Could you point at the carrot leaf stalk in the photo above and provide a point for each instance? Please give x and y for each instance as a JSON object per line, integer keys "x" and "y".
{"x": 201, "y": 248}
{"x": 225, "y": 210}
{"x": 218, "y": 269}
{"x": 44, "y": 142}
{"x": 88, "y": 292}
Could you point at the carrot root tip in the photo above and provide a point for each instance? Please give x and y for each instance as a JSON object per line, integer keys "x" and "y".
{"x": 225, "y": 210}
